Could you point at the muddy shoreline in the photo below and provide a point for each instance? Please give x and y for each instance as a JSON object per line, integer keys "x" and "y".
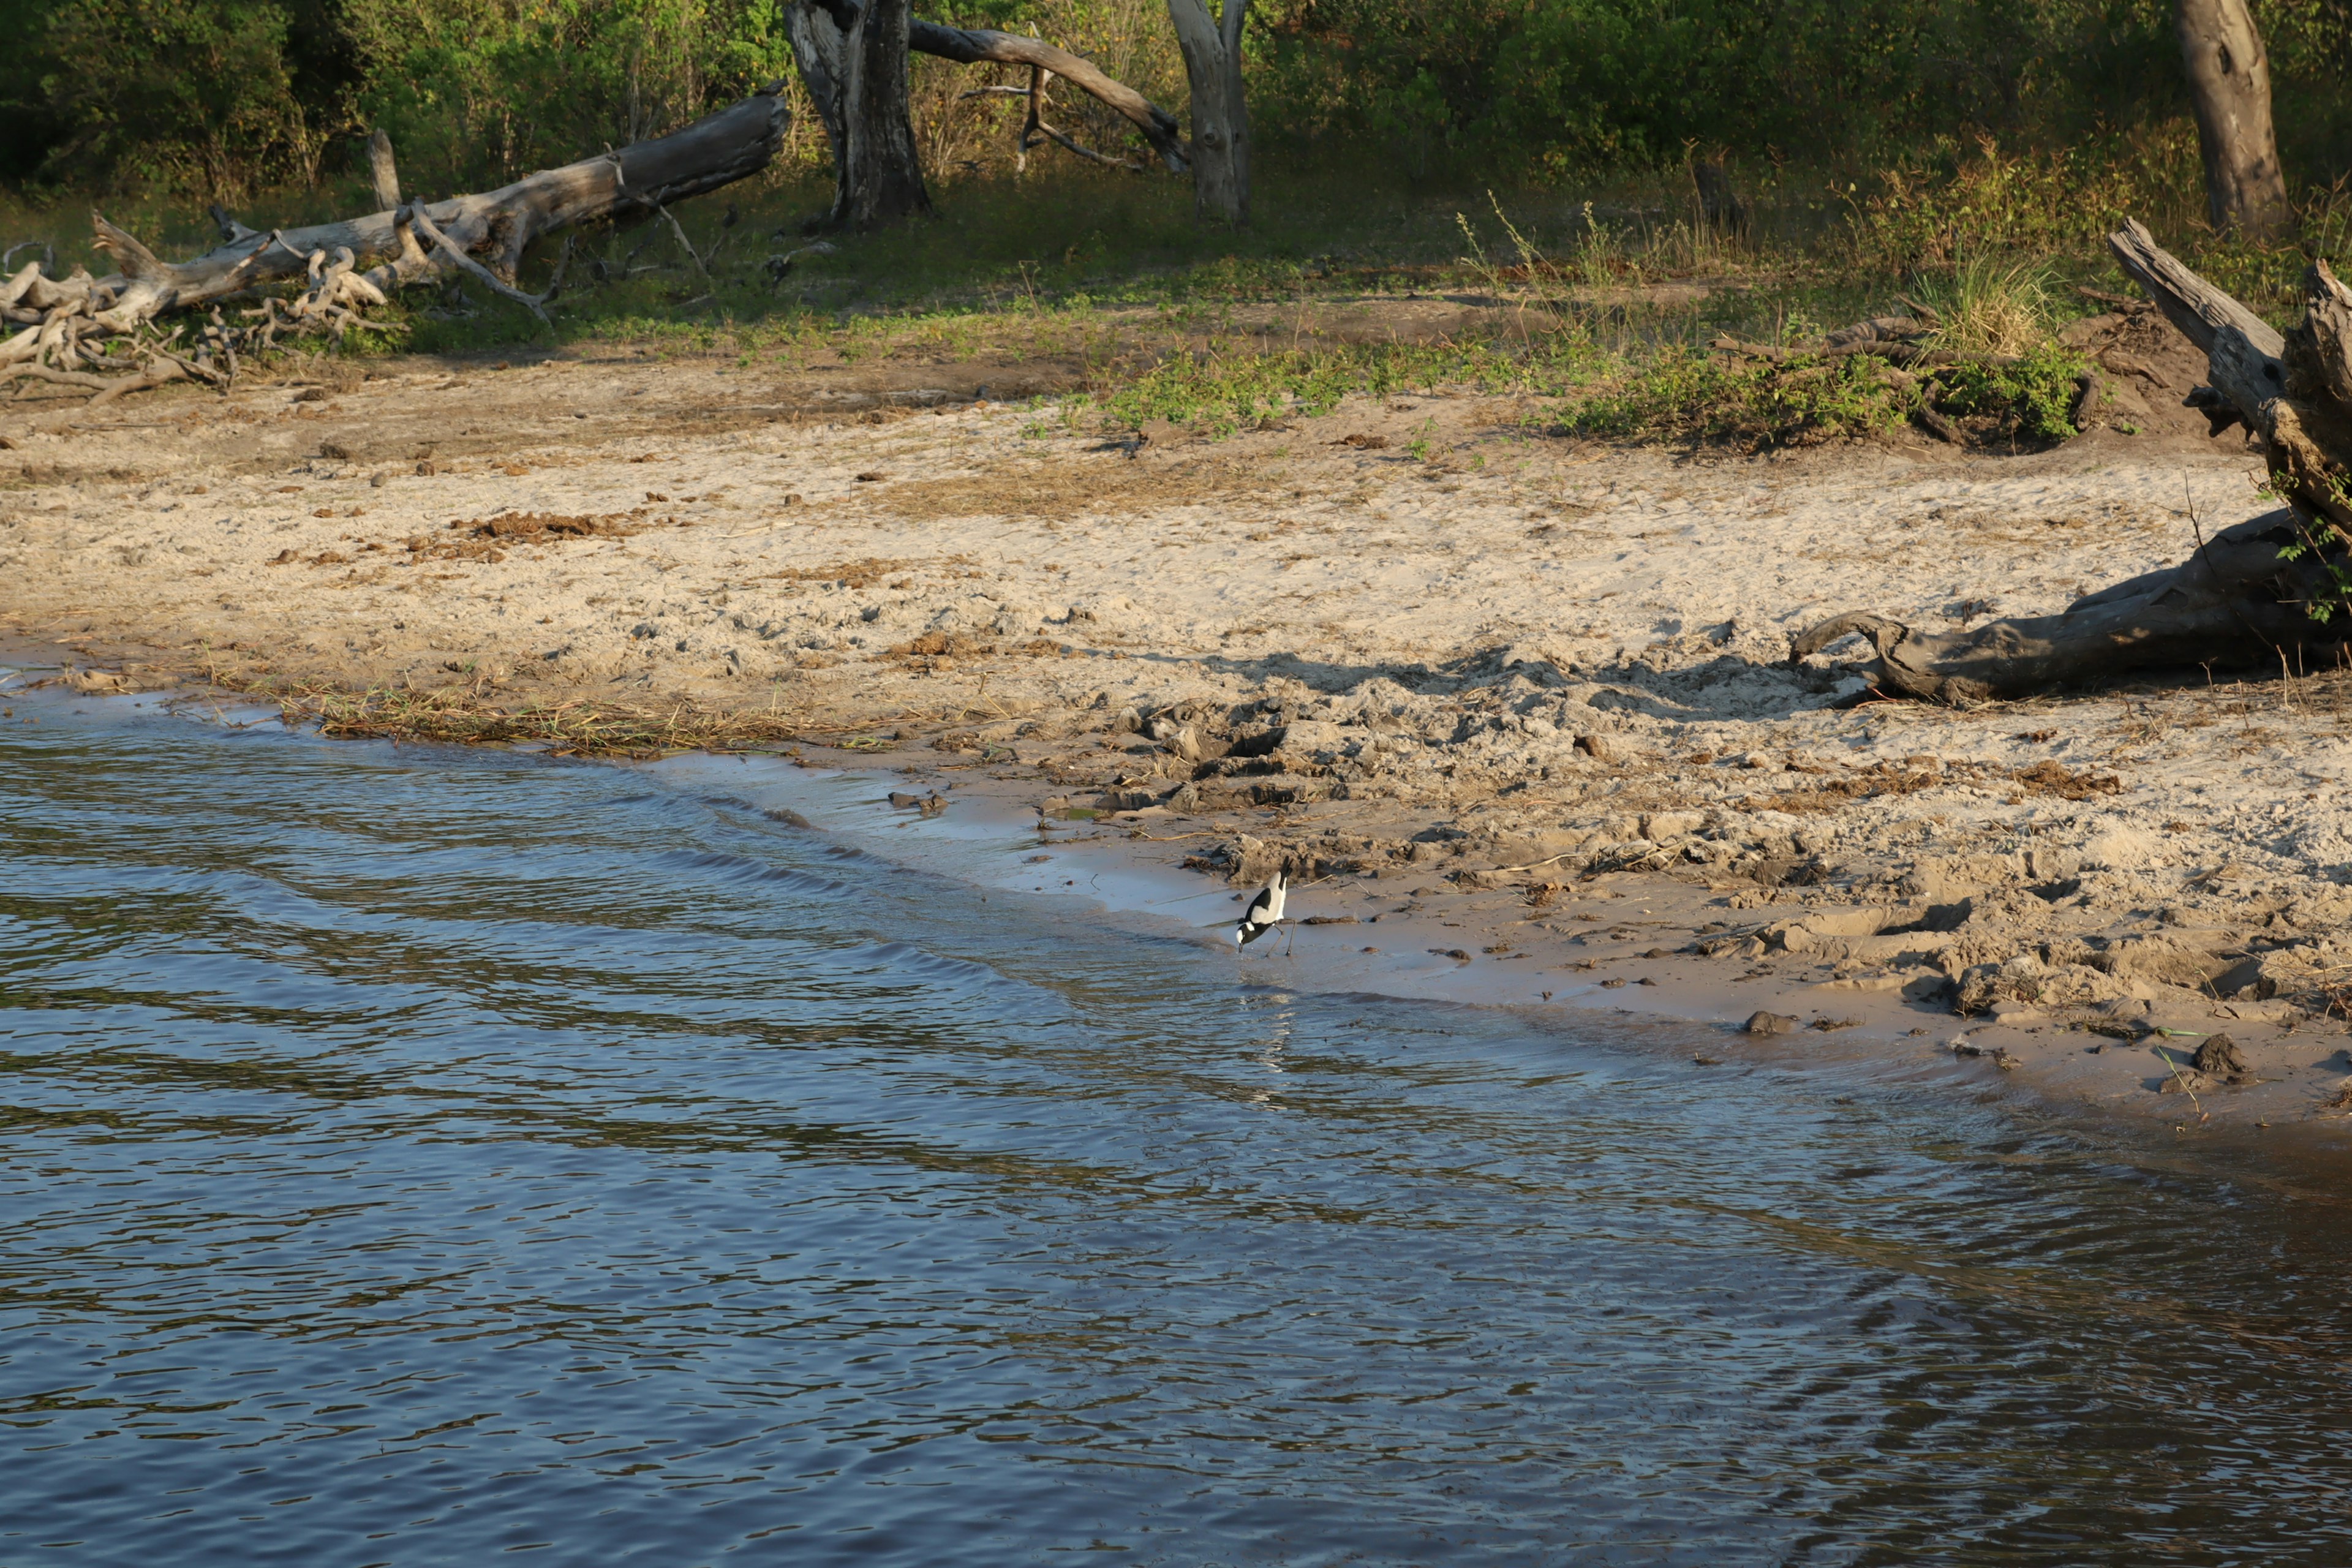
{"x": 1516, "y": 708}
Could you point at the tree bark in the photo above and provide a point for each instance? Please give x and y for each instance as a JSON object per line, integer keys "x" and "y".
{"x": 972, "y": 46}
{"x": 2229, "y": 83}
{"x": 879, "y": 177}
{"x": 1212, "y": 64}
{"x": 2233, "y": 602}
{"x": 819, "y": 35}
{"x": 2265, "y": 590}
{"x": 382, "y": 171}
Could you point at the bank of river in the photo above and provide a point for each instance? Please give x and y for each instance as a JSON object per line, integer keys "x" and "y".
{"x": 1405, "y": 647}
{"x": 413, "y": 1154}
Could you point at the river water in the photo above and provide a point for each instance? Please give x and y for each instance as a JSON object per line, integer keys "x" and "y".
{"x": 410, "y": 1156}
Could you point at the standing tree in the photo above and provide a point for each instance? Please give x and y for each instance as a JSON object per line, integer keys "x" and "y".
{"x": 881, "y": 177}
{"x": 2230, "y": 80}
{"x": 822, "y": 33}
{"x": 1212, "y": 64}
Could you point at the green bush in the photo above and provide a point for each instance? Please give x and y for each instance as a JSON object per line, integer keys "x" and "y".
{"x": 1686, "y": 394}
{"x": 2033, "y": 397}
{"x": 192, "y": 94}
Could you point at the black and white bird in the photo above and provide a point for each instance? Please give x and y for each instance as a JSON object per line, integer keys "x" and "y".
{"x": 1265, "y": 912}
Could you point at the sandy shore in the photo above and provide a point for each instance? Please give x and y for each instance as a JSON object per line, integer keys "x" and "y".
{"x": 1515, "y": 706}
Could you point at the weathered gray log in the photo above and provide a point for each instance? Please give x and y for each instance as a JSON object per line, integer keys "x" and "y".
{"x": 2306, "y": 427}
{"x": 77, "y": 327}
{"x": 494, "y": 226}
{"x": 977, "y": 45}
{"x": 1212, "y": 47}
{"x": 2245, "y": 351}
{"x": 2233, "y": 602}
{"x": 2319, "y": 352}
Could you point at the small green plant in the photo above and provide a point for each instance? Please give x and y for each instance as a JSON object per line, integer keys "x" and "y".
{"x": 2033, "y": 396}
{"x": 2326, "y": 540}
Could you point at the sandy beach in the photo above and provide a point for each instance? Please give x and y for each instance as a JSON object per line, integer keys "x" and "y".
{"x": 1515, "y": 708}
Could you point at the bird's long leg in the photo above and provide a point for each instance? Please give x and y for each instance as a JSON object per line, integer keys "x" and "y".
{"x": 1291, "y": 941}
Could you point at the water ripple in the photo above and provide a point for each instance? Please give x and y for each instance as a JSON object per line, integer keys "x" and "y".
{"x": 406, "y": 1157}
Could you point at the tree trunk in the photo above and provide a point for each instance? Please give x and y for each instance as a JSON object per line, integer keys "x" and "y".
{"x": 879, "y": 178}
{"x": 382, "y": 171}
{"x": 2230, "y": 82}
{"x": 820, "y": 31}
{"x": 972, "y": 45}
{"x": 2278, "y": 588}
{"x": 1212, "y": 64}
{"x": 819, "y": 47}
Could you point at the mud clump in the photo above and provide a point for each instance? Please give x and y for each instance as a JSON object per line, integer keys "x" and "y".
{"x": 2219, "y": 1059}
{"x": 488, "y": 539}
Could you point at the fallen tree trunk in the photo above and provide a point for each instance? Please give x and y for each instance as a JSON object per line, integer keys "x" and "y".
{"x": 71, "y": 321}
{"x": 2275, "y": 588}
{"x": 976, "y": 46}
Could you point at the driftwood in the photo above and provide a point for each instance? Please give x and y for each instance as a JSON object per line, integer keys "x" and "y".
{"x": 78, "y": 324}
{"x": 2275, "y": 588}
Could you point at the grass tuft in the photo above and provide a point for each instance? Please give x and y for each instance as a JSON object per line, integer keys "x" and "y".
{"x": 1989, "y": 306}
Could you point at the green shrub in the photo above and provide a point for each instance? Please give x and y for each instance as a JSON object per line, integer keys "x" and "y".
{"x": 2033, "y": 397}
{"x": 1686, "y": 393}
{"x": 194, "y": 94}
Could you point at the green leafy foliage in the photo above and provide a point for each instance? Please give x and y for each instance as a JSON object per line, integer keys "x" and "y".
{"x": 1683, "y": 393}
{"x": 475, "y": 90}
{"x": 194, "y": 93}
{"x": 2032, "y": 397}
